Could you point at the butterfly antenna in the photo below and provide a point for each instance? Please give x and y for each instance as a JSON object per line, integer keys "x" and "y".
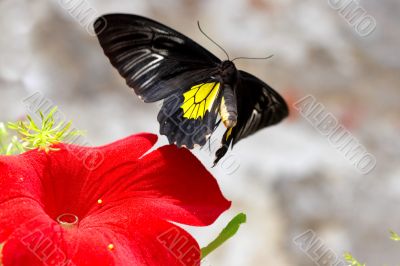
{"x": 253, "y": 58}
{"x": 214, "y": 42}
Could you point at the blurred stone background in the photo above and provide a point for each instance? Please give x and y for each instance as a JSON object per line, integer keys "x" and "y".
{"x": 290, "y": 179}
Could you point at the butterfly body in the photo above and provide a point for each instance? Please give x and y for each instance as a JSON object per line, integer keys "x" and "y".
{"x": 228, "y": 77}
{"x": 196, "y": 87}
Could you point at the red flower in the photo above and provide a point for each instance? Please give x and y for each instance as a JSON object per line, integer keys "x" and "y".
{"x": 124, "y": 205}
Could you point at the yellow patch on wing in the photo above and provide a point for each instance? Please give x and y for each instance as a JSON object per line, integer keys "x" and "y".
{"x": 199, "y": 99}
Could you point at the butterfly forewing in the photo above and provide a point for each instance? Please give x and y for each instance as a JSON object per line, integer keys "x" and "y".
{"x": 154, "y": 59}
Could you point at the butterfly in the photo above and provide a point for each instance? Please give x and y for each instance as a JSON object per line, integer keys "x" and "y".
{"x": 196, "y": 87}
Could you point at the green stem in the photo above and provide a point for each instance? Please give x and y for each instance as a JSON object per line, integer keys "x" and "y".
{"x": 229, "y": 231}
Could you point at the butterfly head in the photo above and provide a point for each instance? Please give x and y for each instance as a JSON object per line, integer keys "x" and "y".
{"x": 228, "y": 72}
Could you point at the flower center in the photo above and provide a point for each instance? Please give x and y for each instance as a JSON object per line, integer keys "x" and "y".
{"x": 68, "y": 220}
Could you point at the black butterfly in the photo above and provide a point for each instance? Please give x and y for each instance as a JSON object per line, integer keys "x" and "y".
{"x": 160, "y": 63}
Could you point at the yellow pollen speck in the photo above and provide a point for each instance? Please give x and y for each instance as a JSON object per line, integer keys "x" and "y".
{"x": 110, "y": 246}
{"x": 99, "y": 201}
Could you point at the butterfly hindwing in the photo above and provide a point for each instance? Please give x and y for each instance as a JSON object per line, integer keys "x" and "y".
{"x": 188, "y": 119}
{"x": 155, "y": 60}
{"x": 258, "y": 106}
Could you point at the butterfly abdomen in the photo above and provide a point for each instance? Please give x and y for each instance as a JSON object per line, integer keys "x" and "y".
{"x": 228, "y": 108}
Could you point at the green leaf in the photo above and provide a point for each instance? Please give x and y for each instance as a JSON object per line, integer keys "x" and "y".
{"x": 229, "y": 231}
{"x": 394, "y": 236}
{"x": 350, "y": 259}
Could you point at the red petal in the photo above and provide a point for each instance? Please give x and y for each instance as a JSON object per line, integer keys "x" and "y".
{"x": 168, "y": 183}
{"x": 60, "y": 180}
{"x": 71, "y": 181}
{"x": 35, "y": 242}
{"x": 41, "y": 242}
{"x": 19, "y": 175}
{"x": 100, "y": 159}
{"x": 162, "y": 243}
{"x": 177, "y": 187}
{"x": 21, "y": 193}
